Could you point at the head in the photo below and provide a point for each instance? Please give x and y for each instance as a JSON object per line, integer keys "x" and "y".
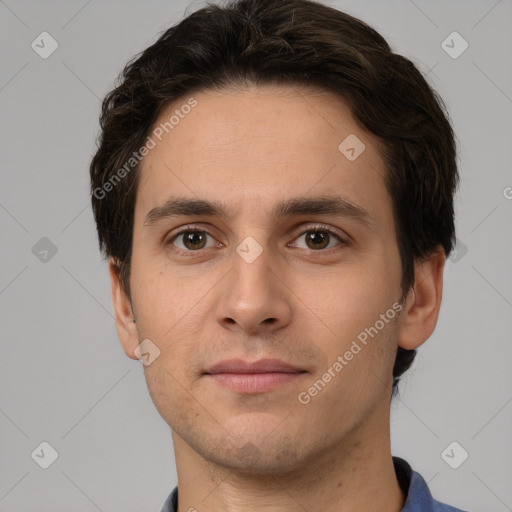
{"x": 247, "y": 106}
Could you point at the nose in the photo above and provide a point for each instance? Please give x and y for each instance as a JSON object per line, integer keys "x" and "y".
{"x": 254, "y": 297}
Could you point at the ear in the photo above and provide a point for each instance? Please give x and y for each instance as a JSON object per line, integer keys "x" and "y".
{"x": 126, "y": 328}
{"x": 423, "y": 301}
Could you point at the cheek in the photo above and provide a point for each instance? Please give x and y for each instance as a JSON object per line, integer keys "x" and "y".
{"x": 350, "y": 303}
{"x": 161, "y": 301}
{"x": 170, "y": 394}
{"x": 351, "y": 297}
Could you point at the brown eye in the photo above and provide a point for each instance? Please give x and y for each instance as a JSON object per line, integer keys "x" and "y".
{"x": 318, "y": 238}
{"x": 191, "y": 240}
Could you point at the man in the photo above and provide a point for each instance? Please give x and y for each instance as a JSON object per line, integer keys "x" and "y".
{"x": 273, "y": 188}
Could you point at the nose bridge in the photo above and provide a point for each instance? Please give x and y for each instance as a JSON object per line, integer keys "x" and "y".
{"x": 252, "y": 262}
{"x": 254, "y": 298}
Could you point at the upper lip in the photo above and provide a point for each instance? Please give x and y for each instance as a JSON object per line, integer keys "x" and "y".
{"x": 260, "y": 366}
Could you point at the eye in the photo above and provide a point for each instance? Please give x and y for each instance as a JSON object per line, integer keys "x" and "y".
{"x": 316, "y": 238}
{"x": 320, "y": 237}
{"x": 191, "y": 240}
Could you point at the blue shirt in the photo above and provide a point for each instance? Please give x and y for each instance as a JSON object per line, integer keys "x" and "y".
{"x": 418, "y": 497}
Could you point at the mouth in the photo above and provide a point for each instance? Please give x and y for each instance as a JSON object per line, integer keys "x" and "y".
{"x": 253, "y": 377}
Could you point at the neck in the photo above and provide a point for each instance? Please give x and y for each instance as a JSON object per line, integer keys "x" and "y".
{"x": 348, "y": 477}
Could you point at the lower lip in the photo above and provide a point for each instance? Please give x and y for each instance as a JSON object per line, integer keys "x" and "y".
{"x": 254, "y": 382}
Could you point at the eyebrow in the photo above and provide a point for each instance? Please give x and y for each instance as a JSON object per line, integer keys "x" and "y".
{"x": 321, "y": 205}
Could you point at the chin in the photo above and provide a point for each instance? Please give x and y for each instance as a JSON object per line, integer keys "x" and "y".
{"x": 253, "y": 457}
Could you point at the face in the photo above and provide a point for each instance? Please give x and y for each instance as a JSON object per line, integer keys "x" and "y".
{"x": 301, "y": 266}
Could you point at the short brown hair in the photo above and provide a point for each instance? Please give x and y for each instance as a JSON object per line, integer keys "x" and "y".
{"x": 301, "y": 42}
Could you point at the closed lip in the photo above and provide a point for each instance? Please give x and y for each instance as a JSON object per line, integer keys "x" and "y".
{"x": 247, "y": 367}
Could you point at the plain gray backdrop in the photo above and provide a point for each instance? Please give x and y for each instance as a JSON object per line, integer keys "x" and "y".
{"x": 64, "y": 377}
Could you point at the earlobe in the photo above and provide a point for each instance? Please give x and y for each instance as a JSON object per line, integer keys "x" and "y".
{"x": 423, "y": 302}
{"x": 125, "y": 320}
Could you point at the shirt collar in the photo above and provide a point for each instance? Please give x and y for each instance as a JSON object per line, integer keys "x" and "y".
{"x": 418, "y": 496}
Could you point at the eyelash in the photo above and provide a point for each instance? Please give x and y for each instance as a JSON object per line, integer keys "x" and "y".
{"x": 317, "y": 227}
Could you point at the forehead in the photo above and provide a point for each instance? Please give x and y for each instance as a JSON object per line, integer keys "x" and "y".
{"x": 257, "y": 144}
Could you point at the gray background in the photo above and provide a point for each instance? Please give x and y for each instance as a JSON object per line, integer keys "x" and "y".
{"x": 64, "y": 378}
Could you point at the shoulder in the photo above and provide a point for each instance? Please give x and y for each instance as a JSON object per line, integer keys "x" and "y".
{"x": 418, "y": 496}
{"x": 171, "y": 503}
